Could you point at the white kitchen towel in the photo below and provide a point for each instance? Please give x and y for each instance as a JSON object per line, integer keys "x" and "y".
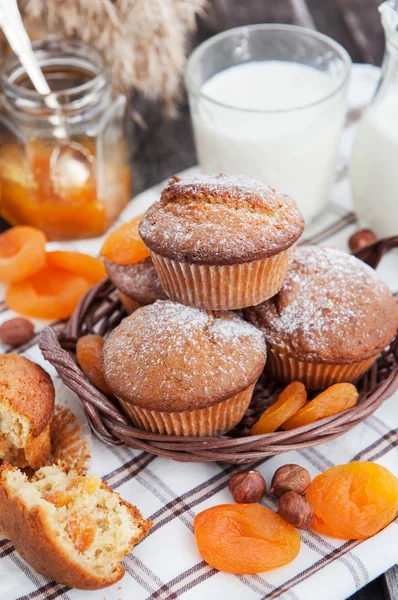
{"x": 166, "y": 565}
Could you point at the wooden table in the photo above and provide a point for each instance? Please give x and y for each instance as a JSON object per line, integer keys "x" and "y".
{"x": 163, "y": 146}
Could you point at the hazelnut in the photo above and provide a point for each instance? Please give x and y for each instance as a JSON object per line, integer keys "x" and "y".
{"x": 16, "y": 332}
{"x": 247, "y": 487}
{"x": 360, "y": 239}
{"x": 296, "y": 510}
{"x": 290, "y": 478}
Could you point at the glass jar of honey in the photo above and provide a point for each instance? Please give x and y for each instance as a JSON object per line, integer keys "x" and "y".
{"x": 72, "y": 185}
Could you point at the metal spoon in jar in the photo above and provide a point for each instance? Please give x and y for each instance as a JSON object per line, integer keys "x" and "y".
{"x": 70, "y": 164}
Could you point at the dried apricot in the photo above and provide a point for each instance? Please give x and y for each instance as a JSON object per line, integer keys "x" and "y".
{"x": 22, "y": 253}
{"x": 81, "y": 528}
{"x": 245, "y": 538}
{"x": 87, "y": 485}
{"x": 88, "y": 354}
{"x": 353, "y": 501}
{"x": 289, "y": 401}
{"x": 335, "y": 399}
{"x": 60, "y": 498}
{"x": 90, "y": 268}
{"x": 51, "y": 293}
{"x": 124, "y": 244}
{"x": 80, "y": 485}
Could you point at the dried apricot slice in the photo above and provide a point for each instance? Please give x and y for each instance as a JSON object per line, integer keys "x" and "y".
{"x": 353, "y": 501}
{"x": 51, "y": 293}
{"x": 81, "y": 528}
{"x": 87, "y": 485}
{"x": 245, "y": 538}
{"x": 60, "y": 498}
{"x": 88, "y": 354}
{"x": 124, "y": 245}
{"x": 289, "y": 401}
{"x": 80, "y": 485}
{"x": 22, "y": 253}
{"x": 335, "y": 399}
{"x": 90, "y": 268}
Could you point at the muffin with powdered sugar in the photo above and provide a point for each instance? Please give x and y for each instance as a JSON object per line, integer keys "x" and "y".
{"x": 221, "y": 242}
{"x": 329, "y": 322}
{"x": 137, "y": 284}
{"x": 182, "y": 370}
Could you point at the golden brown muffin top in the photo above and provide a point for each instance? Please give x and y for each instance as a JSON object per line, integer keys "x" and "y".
{"x": 170, "y": 357}
{"x": 221, "y": 220}
{"x": 332, "y": 308}
{"x": 27, "y": 389}
{"x": 139, "y": 281}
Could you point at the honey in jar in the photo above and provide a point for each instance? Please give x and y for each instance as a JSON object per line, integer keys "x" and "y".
{"x": 72, "y": 187}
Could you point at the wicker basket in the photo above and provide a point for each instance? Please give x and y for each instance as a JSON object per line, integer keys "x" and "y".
{"x": 100, "y": 311}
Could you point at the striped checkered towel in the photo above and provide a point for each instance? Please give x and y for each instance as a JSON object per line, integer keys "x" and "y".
{"x": 166, "y": 565}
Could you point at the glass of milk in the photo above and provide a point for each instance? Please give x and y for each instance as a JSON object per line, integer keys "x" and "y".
{"x": 269, "y": 101}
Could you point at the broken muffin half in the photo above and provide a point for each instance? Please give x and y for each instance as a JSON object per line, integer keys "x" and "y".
{"x": 73, "y": 529}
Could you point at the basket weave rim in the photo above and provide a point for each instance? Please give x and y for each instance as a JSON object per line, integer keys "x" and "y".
{"x": 99, "y": 311}
{"x": 111, "y": 425}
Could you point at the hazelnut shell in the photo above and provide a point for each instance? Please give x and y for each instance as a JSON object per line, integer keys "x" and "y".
{"x": 247, "y": 487}
{"x": 290, "y": 478}
{"x": 16, "y": 332}
{"x": 360, "y": 239}
{"x": 296, "y": 510}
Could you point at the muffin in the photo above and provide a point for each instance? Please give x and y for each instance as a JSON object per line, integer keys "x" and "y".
{"x": 137, "y": 284}
{"x": 26, "y": 408}
{"x": 330, "y": 320}
{"x": 70, "y": 528}
{"x": 183, "y": 371}
{"x": 221, "y": 242}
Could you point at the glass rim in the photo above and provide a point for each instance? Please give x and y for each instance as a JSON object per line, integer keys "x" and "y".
{"x": 194, "y": 88}
{"x": 13, "y": 68}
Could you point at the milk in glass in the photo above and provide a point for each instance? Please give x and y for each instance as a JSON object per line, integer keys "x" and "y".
{"x": 276, "y": 121}
{"x": 374, "y": 161}
{"x": 374, "y": 168}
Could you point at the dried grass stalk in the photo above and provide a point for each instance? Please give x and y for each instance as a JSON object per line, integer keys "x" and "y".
{"x": 144, "y": 42}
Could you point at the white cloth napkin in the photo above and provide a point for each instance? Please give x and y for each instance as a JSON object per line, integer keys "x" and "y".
{"x": 167, "y": 565}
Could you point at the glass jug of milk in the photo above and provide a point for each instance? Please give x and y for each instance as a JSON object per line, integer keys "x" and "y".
{"x": 268, "y": 101}
{"x": 374, "y": 161}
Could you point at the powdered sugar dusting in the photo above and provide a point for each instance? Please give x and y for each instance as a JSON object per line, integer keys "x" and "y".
{"x": 218, "y": 184}
{"x": 139, "y": 281}
{"x": 172, "y": 357}
{"x": 331, "y": 307}
{"x": 219, "y": 219}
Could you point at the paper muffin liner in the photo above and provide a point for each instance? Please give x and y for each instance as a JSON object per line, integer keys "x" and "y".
{"x": 212, "y": 420}
{"x": 222, "y": 287}
{"x": 129, "y": 304}
{"x": 315, "y": 376}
